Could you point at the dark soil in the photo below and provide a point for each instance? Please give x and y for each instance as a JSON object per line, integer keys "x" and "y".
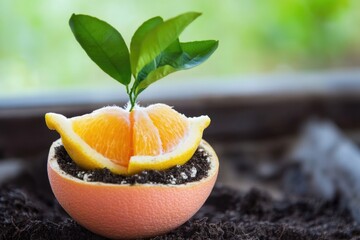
{"x": 30, "y": 212}
{"x": 226, "y": 215}
{"x": 194, "y": 170}
{"x": 28, "y": 209}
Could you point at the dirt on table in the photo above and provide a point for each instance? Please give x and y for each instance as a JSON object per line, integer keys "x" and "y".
{"x": 28, "y": 210}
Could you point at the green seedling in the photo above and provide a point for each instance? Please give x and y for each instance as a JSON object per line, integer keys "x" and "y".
{"x": 155, "y": 49}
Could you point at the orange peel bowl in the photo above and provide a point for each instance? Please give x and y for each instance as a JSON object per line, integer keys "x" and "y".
{"x": 124, "y": 211}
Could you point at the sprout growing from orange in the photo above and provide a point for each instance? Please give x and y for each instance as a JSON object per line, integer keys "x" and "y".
{"x": 126, "y": 142}
{"x": 155, "y": 49}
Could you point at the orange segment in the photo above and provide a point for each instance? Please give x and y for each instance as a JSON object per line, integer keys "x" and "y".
{"x": 172, "y": 126}
{"x": 146, "y": 139}
{"x": 84, "y": 155}
{"x": 156, "y": 137}
{"x": 108, "y": 132}
{"x": 180, "y": 155}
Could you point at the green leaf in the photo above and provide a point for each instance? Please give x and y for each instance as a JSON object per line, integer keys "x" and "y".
{"x": 178, "y": 56}
{"x": 138, "y": 37}
{"x": 153, "y": 77}
{"x": 197, "y": 52}
{"x": 167, "y": 57}
{"x": 159, "y": 38}
{"x": 104, "y": 45}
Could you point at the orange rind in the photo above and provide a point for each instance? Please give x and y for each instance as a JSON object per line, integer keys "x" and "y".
{"x": 130, "y": 211}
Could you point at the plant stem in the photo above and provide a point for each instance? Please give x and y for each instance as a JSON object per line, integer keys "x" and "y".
{"x": 132, "y": 94}
{"x": 132, "y": 99}
{"x": 132, "y": 106}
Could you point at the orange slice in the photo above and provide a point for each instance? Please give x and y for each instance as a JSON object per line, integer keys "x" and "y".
{"x": 146, "y": 138}
{"x": 112, "y": 127}
{"x": 172, "y": 126}
{"x": 156, "y": 137}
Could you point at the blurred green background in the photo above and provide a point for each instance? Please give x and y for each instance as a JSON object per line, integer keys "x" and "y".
{"x": 38, "y": 52}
